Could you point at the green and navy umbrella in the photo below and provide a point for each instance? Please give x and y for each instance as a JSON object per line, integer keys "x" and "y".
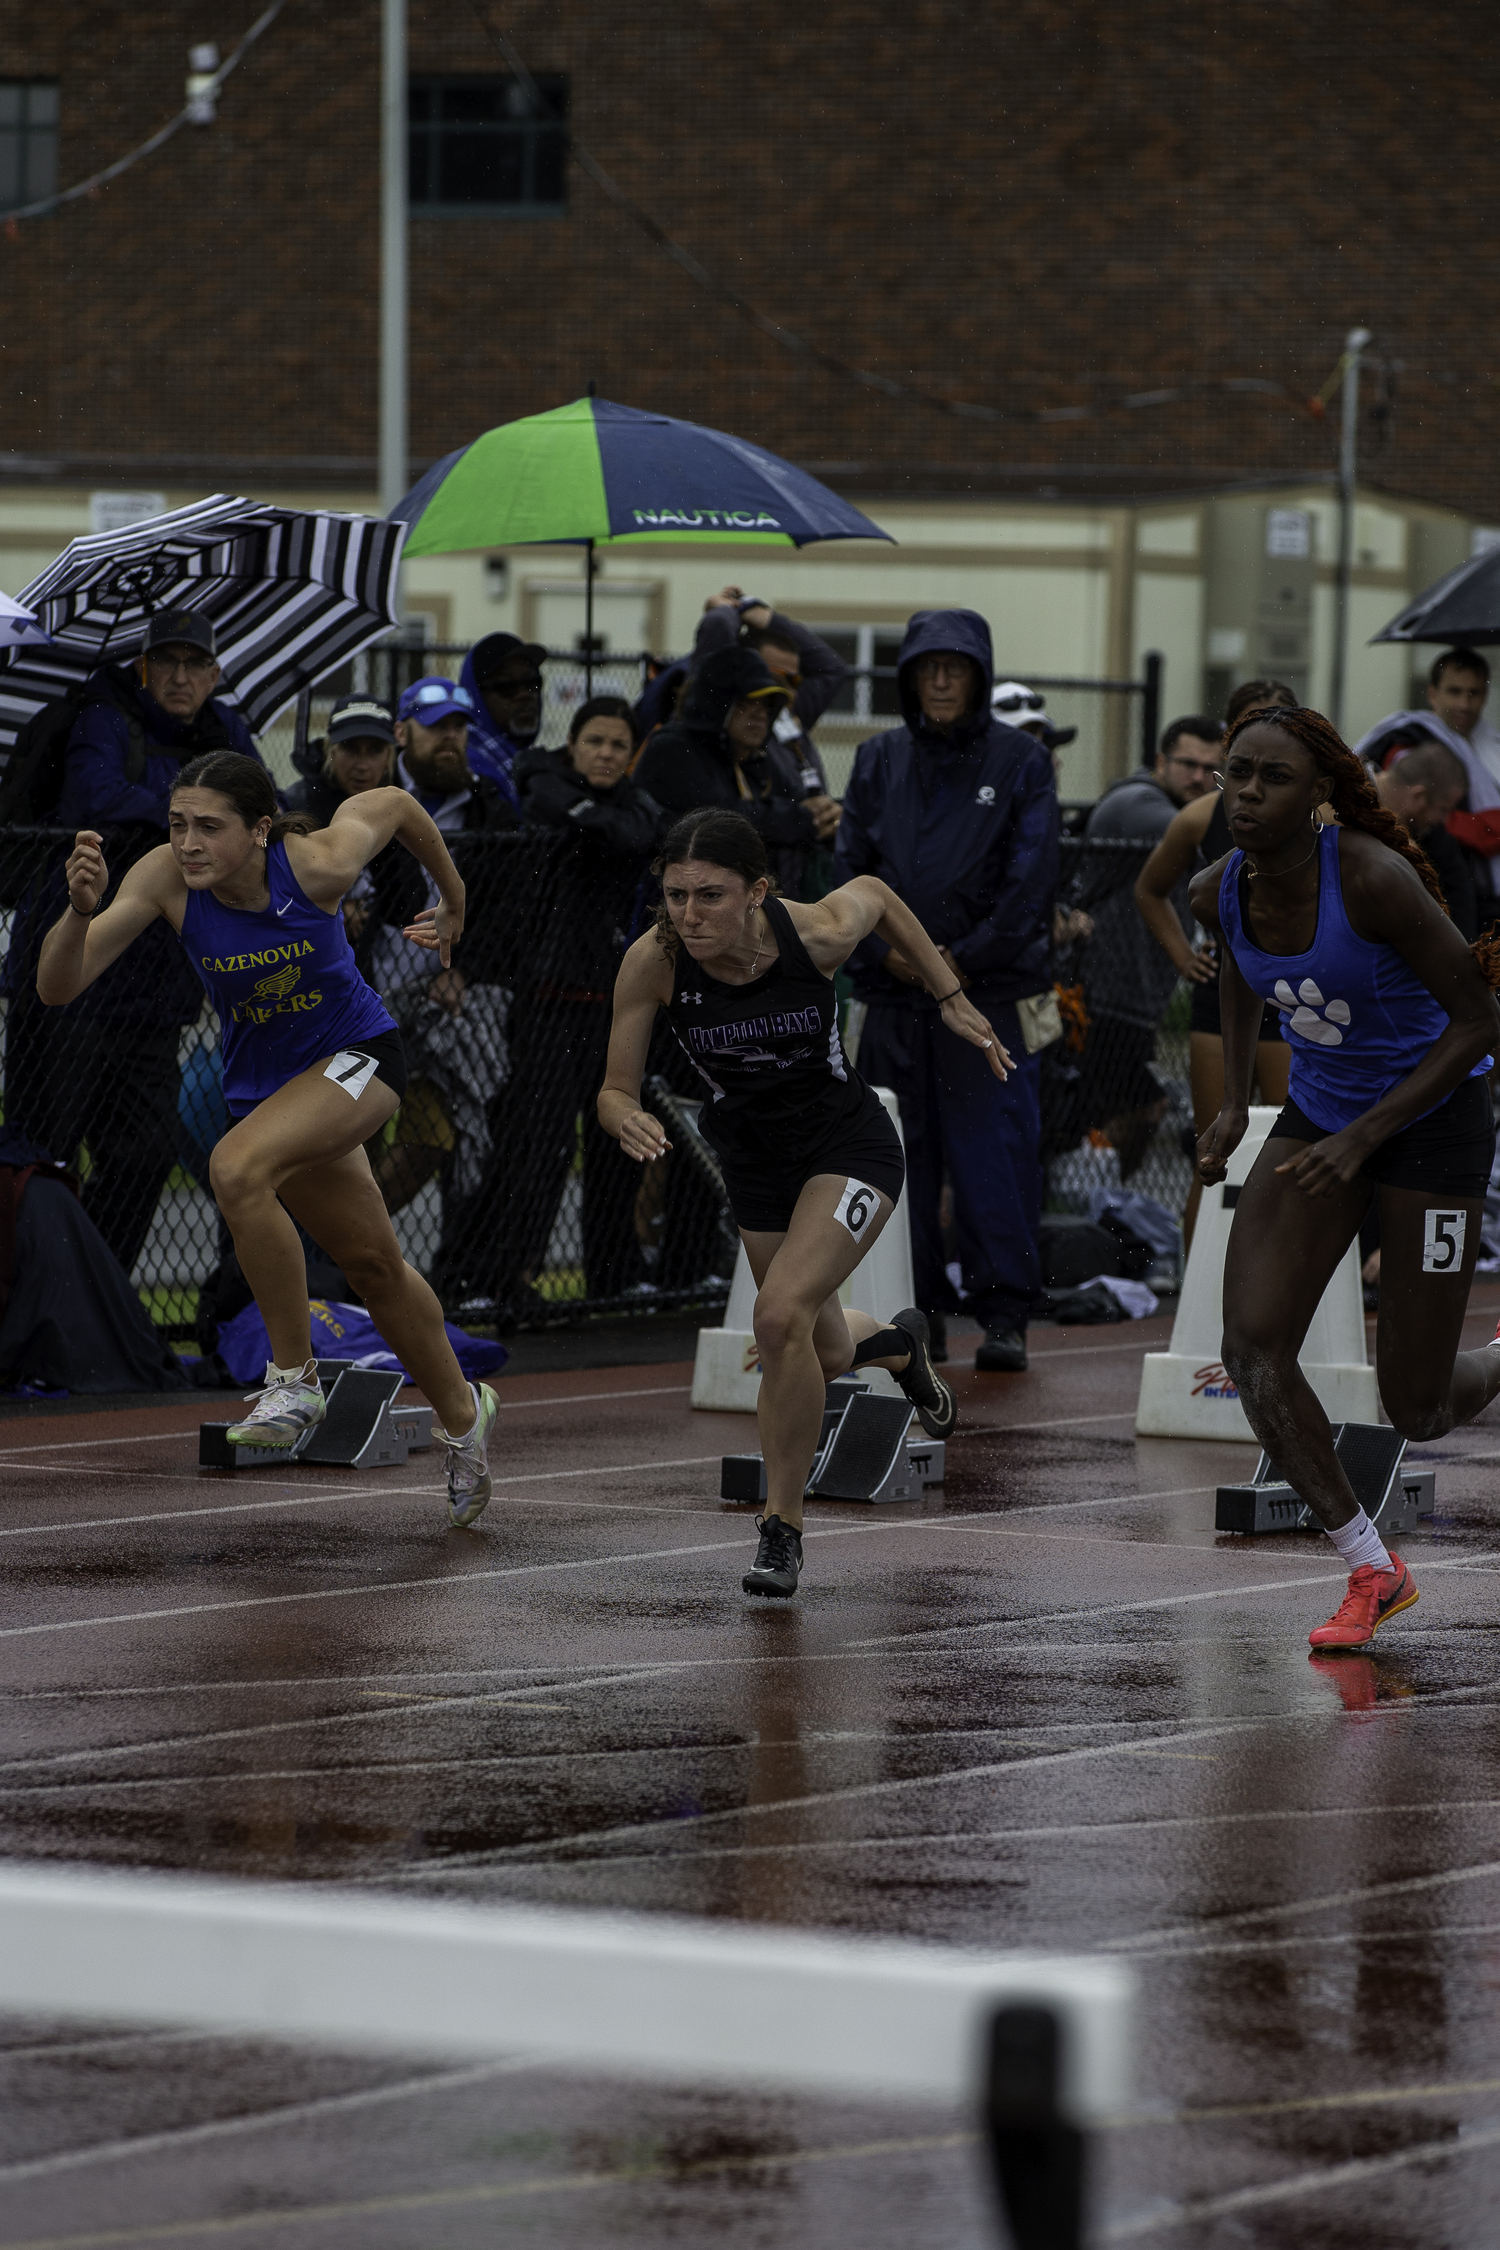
{"x": 594, "y": 471}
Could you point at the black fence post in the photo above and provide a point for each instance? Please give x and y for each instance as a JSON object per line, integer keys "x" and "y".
{"x": 1151, "y": 706}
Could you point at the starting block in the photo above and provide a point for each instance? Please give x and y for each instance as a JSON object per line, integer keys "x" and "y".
{"x": 1370, "y": 1456}
{"x": 363, "y": 1427}
{"x": 865, "y": 1452}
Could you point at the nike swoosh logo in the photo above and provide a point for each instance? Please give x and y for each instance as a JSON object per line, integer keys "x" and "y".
{"x": 282, "y": 909}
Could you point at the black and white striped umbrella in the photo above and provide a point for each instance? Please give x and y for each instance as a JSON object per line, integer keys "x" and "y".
{"x": 292, "y": 594}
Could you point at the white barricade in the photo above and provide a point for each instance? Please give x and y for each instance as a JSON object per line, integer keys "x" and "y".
{"x": 1185, "y": 1391}
{"x": 634, "y": 1994}
{"x": 726, "y": 1371}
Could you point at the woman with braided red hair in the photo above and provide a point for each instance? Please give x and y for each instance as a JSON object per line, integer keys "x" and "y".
{"x": 1392, "y": 1022}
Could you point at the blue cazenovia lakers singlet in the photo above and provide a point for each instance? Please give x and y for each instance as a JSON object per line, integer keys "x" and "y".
{"x": 1357, "y": 1018}
{"x": 282, "y": 981}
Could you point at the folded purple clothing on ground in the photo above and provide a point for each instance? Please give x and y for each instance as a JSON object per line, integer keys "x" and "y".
{"x": 344, "y": 1332}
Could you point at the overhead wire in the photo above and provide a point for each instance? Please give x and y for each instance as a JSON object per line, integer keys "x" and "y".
{"x": 802, "y": 347}
{"x": 188, "y": 114}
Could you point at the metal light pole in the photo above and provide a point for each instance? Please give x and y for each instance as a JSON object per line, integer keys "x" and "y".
{"x": 1354, "y": 344}
{"x": 393, "y": 233}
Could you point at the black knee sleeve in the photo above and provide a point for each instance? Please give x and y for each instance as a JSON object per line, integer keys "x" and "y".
{"x": 886, "y": 1343}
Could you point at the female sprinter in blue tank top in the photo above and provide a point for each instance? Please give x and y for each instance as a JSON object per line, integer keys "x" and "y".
{"x": 1392, "y": 1021}
{"x": 312, "y": 1065}
{"x": 812, "y": 1163}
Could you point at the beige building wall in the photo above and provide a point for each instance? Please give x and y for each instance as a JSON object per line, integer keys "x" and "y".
{"x": 1070, "y": 593}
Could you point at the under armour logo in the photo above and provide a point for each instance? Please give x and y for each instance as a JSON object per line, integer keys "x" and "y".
{"x": 1323, "y": 1030}
{"x": 986, "y": 796}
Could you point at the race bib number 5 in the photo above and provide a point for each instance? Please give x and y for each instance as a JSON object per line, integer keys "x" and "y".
{"x": 1443, "y": 1241}
{"x": 858, "y": 1205}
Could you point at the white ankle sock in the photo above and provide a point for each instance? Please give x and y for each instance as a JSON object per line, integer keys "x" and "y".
{"x": 1358, "y": 1543}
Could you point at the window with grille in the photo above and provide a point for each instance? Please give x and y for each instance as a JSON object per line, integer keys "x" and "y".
{"x": 488, "y": 145}
{"x": 28, "y": 141}
{"x": 870, "y": 651}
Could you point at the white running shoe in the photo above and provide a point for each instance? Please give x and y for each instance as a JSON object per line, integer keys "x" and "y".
{"x": 291, "y": 1402}
{"x": 469, "y": 1480}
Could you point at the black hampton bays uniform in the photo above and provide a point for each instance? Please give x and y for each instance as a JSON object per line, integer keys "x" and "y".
{"x": 781, "y": 1101}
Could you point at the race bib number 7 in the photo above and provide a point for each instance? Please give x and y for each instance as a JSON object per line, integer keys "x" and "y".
{"x": 1443, "y": 1241}
{"x": 352, "y": 1071}
{"x": 857, "y": 1207}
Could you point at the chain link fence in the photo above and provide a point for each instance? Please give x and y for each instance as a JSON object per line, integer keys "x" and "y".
{"x": 502, "y": 1187}
{"x": 1117, "y": 1106}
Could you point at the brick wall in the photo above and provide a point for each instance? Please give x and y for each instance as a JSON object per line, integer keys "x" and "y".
{"x": 1036, "y": 206}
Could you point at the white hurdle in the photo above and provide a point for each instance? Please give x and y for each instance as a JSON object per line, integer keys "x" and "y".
{"x": 1185, "y": 1391}
{"x": 1037, "y": 2047}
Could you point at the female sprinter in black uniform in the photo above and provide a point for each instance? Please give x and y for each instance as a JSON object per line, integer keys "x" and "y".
{"x": 812, "y": 1162}
{"x": 1391, "y": 1021}
{"x": 312, "y": 1064}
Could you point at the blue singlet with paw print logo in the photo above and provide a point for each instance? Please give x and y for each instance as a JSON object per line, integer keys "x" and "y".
{"x": 1357, "y": 1018}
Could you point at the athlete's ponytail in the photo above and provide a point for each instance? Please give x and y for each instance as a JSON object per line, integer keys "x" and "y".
{"x": 249, "y": 788}
{"x": 1354, "y": 804}
{"x": 722, "y": 838}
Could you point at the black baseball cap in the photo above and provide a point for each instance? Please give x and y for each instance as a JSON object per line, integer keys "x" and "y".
{"x": 496, "y": 650}
{"x": 185, "y": 626}
{"x": 356, "y": 715}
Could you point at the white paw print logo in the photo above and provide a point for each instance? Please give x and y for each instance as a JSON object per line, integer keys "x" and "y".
{"x": 1323, "y": 1030}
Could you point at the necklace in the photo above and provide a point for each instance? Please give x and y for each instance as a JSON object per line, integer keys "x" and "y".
{"x": 759, "y": 950}
{"x": 1255, "y": 871}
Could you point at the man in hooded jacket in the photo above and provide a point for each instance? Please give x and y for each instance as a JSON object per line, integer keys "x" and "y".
{"x": 958, "y": 813}
{"x": 714, "y": 753}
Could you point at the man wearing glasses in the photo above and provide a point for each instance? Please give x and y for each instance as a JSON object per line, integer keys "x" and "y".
{"x": 1127, "y": 977}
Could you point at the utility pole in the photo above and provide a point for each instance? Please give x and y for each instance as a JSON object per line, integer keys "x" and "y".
{"x": 393, "y": 239}
{"x": 1354, "y": 344}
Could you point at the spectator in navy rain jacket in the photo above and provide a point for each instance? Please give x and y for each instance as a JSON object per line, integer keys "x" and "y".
{"x": 958, "y": 813}
{"x": 104, "y": 1069}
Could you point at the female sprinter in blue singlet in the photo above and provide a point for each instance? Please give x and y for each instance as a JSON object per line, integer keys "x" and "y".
{"x": 312, "y": 1065}
{"x": 1391, "y": 1020}
{"x": 811, "y": 1161}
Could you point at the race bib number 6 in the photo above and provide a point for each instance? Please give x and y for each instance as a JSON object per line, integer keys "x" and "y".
{"x": 857, "y": 1207}
{"x": 1443, "y": 1241}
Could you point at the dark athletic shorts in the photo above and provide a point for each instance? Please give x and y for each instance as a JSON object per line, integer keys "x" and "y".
{"x": 390, "y": 1067}
{"x": 1203, "y": 1014}
{"x": 763, "y": 1193}
{"x": 1447, "y": 1154}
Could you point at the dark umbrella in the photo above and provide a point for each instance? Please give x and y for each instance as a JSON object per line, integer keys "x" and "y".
{"x": 292, "y": 594}
{"x": 1463, "y": 607}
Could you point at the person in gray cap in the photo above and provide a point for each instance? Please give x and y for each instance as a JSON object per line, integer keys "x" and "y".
{"x": 358, "y": 752}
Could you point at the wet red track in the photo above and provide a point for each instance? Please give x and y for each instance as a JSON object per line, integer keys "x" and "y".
{"x": 1045, "y": 1707}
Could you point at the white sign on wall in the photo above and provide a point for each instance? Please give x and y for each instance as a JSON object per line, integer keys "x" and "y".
{"x": 112, "y": 511}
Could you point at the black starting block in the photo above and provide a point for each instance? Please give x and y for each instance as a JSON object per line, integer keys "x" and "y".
{"x": 363, "y": 1427}
{"x": 864, "y": 1453}
{"x": 1370, "y": 1456}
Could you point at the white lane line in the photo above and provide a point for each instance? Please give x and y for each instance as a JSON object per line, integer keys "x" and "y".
{"x": 517, "y": 1696}
{"x": 507, "y": 1406}
{"x": 431, "y": 1585}
{"x": 1429, "y": 1933}
{"x": 1205, "y": 2208}
{"x": 1150, "y": 1602}
{"x": 349, "y": 1492}
{"x": 297, "y": 2113}
{"x": 858, "y": 1793}
{"x": 529, "y": 1570}
{"x": 76, "y": 2048}
{"x": 1210, "y": 1927}
{"x": 1114, "y": 1832}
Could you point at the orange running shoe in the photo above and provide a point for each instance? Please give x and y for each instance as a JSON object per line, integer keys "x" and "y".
{"x": 1373, "y": 1596}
